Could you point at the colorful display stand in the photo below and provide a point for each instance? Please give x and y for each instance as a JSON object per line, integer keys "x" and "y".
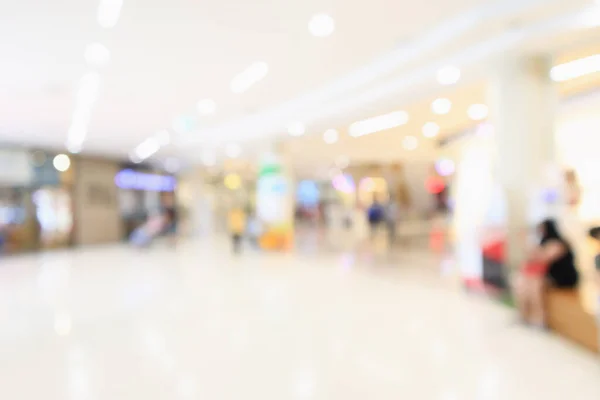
{"x": 275, "y": 204}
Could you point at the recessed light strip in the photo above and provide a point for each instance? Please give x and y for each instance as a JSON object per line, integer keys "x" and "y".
{"x": 377, "y": 124}
{"x": 109, "y": 12}
{"x": 247, "y": 78}
{"x": 87, "y": 93}
{"x": 575, "y": 69}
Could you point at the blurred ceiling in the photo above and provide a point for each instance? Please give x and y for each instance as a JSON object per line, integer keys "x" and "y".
{"x": 165, "y": 56}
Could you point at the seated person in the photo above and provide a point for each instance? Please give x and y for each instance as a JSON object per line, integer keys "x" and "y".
{"x": 595, "y": 234}
{"x": 550, "y": 263}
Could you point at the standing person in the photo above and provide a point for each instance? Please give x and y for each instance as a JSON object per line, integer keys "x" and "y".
{"x": 237, "y": 226}
{"x": 375, "y": 216}
{"x": 171, "y": 217}
{"x": 391, "y": 219}
{"x": 595, "y": 234}
{"x": 551, "y": 263}
{"x": 254, "y": 230}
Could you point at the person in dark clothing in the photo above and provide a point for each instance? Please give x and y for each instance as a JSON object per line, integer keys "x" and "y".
{"x": 375, "y": 216}
{"x": 595, "y": 234}
{"x": 551, "y": 263}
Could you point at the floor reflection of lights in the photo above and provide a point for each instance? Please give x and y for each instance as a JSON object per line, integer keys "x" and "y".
{"x": 114, "y": 323}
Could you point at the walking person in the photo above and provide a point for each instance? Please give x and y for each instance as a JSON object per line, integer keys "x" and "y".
{"x": 375, "y": 216}
{"x": 237, "y": 227}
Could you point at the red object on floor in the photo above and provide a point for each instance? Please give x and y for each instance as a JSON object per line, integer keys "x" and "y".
{"x": 475, "y": 284}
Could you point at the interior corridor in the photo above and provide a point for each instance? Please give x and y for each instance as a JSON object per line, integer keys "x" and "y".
{"x": 199, "y": 323}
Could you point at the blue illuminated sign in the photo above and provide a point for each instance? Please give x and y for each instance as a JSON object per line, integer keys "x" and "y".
{"x": 129, "y": 179}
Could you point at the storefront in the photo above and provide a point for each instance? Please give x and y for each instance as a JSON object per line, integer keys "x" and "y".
{"x": 36, "y": 203}
{"x": 142, "y": 193}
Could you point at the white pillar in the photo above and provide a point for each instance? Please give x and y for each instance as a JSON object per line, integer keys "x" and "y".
{"x": 522, "y": 104}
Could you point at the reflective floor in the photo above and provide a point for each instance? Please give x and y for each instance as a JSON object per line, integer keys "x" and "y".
{"x": 199, "y": 323}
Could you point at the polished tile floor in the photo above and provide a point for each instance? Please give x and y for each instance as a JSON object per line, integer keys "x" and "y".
{"x": 197, "y": 323}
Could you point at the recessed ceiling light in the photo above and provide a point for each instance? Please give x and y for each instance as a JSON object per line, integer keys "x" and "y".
{"x": 296, "y": 129}
{"x": 248, "y": 77}
{"x": 576, "y": 68}
{"x": 448, "y": 75}
{"x": 73, "y": 148}
{"x": 97, "y": 55}
{"x": 109, "y": 12}
{"x": 147, "y": 148}
{"x": 134, "y": 158}
{"x": 478, "y": 112}
{"x": 163, "y": 136}
{"x": 233, "y": 150}
{"x": 321, "y": 25}
{"x": 377, "y": 124}
{"x": 441, "y": 106}
{"x": 61, "y": 162}
{"x": 206, "y": 106}
{"x": 431, "y": 129}
{"x": 410, "y": 142}
{"x": 330, "y": 136}
{"x": 89, "y": 85}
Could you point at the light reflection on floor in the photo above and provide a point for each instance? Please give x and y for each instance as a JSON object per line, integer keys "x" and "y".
{"x": 199, "y": 323}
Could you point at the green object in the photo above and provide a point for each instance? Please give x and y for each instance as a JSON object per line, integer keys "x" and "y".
{"x": 269, "y": 169}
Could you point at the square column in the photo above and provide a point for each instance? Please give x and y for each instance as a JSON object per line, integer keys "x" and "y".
{"x": 523, "y": 102}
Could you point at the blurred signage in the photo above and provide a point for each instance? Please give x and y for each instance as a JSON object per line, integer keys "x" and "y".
{"x": 15, "y": 168}
{"x": 130, "y": 179}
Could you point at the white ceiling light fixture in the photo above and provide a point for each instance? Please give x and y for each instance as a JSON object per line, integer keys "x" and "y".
{"x": 109, "y": 12}
{"x": 410, "y": 143}
{"x": 88, "y": 89}
{"x": 296, "y": 129}
{"x": 321, "y": 25}
{"x": 431, "y": 130}
{"x": 76, "y": 134}
{"x": 74, "y": 148}
{"x": 331, "y": 136}
{"x": 87, "y": 92}
{"x": 441, "y": 106}
{"x": 61, "y": 162}
{"x": 251, "y": 75}
{"x": 233, "y": 150}
{"x": 448, "y": 75}
{"x": 134, "y": 158}
{"x": 576, "y": 69}
{"x": 147, "y": 148}
{"x": 97, "y": 55}
{"x": 478, "y": 112}
{"x": 163, "y": 137}
{"x": 206, "y": 106}
{"x": 380, "y": 123}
